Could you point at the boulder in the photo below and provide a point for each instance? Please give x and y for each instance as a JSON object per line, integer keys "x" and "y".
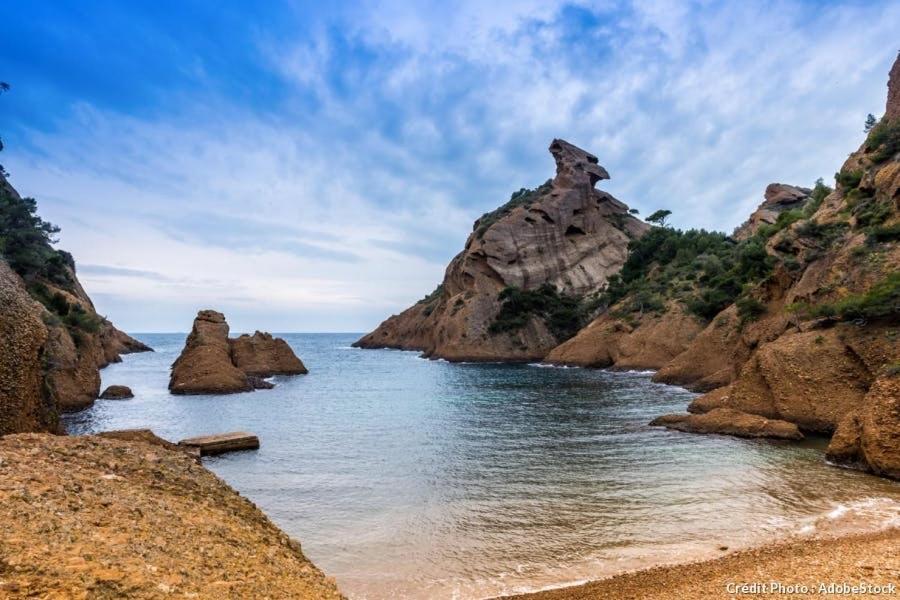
{"x": 779, "y": 197}
{"x": 730, "y": 422}
{"x": 117, "y": 392}
{"x": 261, "y": 355}
{"x": 204, "y": 366}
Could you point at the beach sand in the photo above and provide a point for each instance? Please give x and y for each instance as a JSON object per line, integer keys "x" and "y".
{"x": 872, "y": 558}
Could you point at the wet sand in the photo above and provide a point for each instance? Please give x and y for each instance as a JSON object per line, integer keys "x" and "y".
{"x": 871, "y": 558}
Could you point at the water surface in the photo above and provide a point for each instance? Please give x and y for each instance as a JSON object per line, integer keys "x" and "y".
{"x": 409, "y": 478}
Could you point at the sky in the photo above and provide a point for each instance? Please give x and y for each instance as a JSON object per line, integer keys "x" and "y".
{"x": 312, "y": 166}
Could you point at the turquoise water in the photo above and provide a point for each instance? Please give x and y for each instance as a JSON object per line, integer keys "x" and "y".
{"x": 404, "y": 477}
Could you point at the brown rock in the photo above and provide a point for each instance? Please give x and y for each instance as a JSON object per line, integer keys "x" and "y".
{"x": 730, "y": 422}
{"x": 262, "y": 355}
{"x": 91, "y": 517}
{"x": 565, "y": 233}
{"x": 892, "y": 108}
{"x": 117, "y": 392}
{"x": 870, "y": 436}
{"x": 146, "y": 436}
{"x": 204, "y": 366}
{"x": 23, "y": 404}
{"x": 211, "y": 363}
{"x": 779, "y": 197}
{"x": 650, "y": 343}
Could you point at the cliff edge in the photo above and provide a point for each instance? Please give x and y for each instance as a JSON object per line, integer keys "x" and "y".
{"x": 524, "y": 280}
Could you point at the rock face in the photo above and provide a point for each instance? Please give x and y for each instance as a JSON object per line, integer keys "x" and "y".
{"x": 52, "y": 341}
{"x": 820, "y": 352}
{"x": 261, "y": 355}
{"x": 117, "y": 392}
{"x": 564, "y": 233}
{"x": 779, "y": 197}
{"x": 211, "y": 363}
{"x": 90, "y": 517}
{"x": 730, "y": 422}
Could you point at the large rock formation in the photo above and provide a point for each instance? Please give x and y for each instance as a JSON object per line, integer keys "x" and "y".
{"x": 779, "y": 197}
{"x": 564, "y": 234}
{"x": 52, "y": 341}
{"x": 92, "y": 517}
{"x": 211, "y": 363}
{"x": 814, "y": 342}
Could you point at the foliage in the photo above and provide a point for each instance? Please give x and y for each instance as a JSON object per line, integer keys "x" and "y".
{"x": 72, "y": 314}
{"x": 523, "y": 197}
{"x": 871, "y": 121}
{"x": 884, "y": 140}
{"x": 849, "y": 179}
{"x": 433, "y": 295}
{"x": 25, "y": 241}
{"x": 634, "y": 211}
{"x": 749, "y": 308}
{"x": 659, "y": 217}
{"x": 882, "y": 301}
{"x": 886, "y": 233}
{"x": 784, "y": 220}
{"x": 564, "y": 314}
{"x": 817, "y": 196}
{"x": 704, "y": 270}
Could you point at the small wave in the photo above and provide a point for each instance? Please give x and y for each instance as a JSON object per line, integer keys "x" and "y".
{"x": 551, "y": 366}
{"x": 867, "y": 514}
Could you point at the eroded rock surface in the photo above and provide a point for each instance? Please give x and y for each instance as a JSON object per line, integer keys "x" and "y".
{"x": 779, "y": 197}
{"x": 730, "y": 422}
{"x": 89, "y": 517}
{"x": 565, "y": 233}
{"x": 211, "y": 363}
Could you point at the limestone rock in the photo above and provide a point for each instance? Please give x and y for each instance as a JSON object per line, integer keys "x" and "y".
{"x": 262, "y": 355}
{"x": 117, "y": 392}
{"x": 730, "y": 422}
{"x": 211, "y": 363}
{"x": 564, "y": 233}
{"x": 779, "y": 197}
{"x": 892, "y": 108}
{"x": 204, "y": 366}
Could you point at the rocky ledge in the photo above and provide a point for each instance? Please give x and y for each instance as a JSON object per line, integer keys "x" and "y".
{"x": 211, "y": 363}
{"x": 88, "y": 517}
{"x": 730, "y": 422}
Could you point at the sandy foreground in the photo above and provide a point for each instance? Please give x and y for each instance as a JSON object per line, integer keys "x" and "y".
{"x": 871, "y": 558}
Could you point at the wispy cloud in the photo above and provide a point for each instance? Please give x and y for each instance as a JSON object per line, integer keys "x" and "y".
{"x": 319, "y": 174}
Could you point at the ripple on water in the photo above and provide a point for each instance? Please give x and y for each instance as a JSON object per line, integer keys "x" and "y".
{"x": 426, "y": 479}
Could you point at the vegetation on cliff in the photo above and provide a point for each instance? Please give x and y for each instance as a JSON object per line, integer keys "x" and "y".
{"x": 523, "y": 197}
{"x": 564, "y": 314}
{"x": 26, "y": 241}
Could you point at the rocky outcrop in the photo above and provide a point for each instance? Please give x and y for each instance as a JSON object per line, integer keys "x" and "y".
{"x": 892, "y": 109}
{"x": 869, "y": 435}
{"x": 24, "y": 406}
{"x": 52, "y": 341}
{"x": 730, "y": 422}
{"x": 565, "y": 233}
{"x": 117, "y": 392}
{"x": 261, "y": 355}
{"x": 90, "y": 517}
{"x": 211, "y": 363}
{"x": 779, "y": 197}
{"x": 648, "y": 342}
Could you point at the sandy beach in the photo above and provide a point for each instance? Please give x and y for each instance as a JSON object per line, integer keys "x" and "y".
{"x": 795, "y": 569}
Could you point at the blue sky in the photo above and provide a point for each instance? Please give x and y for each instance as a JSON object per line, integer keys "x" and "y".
{"x": 308, "y": 166}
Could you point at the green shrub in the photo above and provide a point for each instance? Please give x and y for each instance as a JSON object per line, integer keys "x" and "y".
{"x": 886, "y": 233}
{"x": 563, "y": 314}
{"x": 749, "y": 308}
{"x": 884, "y": 140}
{"x": 817, "y": 196}
{"x": 26, "y": 241}
{"x": 78, "y": 318}
{"x": 849, "y": 179}
{"x": 524, "y": 197}
{"x": 882, "y": 301}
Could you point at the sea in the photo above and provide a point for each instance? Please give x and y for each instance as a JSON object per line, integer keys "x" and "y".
{"x": 404, "y": 477}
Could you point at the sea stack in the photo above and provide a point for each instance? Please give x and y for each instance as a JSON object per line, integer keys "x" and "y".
{"x": 211, "y": 363}
{"x": 555, "y": 245}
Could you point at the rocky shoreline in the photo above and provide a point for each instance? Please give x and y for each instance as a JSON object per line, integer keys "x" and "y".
{"x": 93, "y": 517}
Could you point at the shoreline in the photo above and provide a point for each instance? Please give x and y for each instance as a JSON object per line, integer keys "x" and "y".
{"x": 871, "y": 557}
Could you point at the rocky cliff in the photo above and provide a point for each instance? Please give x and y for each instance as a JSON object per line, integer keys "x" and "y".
{"x": 524, "y": 279}
{"x": 797, "y": 321}
{"x": 52, "y": 341}
{"x": 211, "y": 363}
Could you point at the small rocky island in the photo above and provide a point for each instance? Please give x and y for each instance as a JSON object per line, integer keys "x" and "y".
{"x": 213, "y": 363}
